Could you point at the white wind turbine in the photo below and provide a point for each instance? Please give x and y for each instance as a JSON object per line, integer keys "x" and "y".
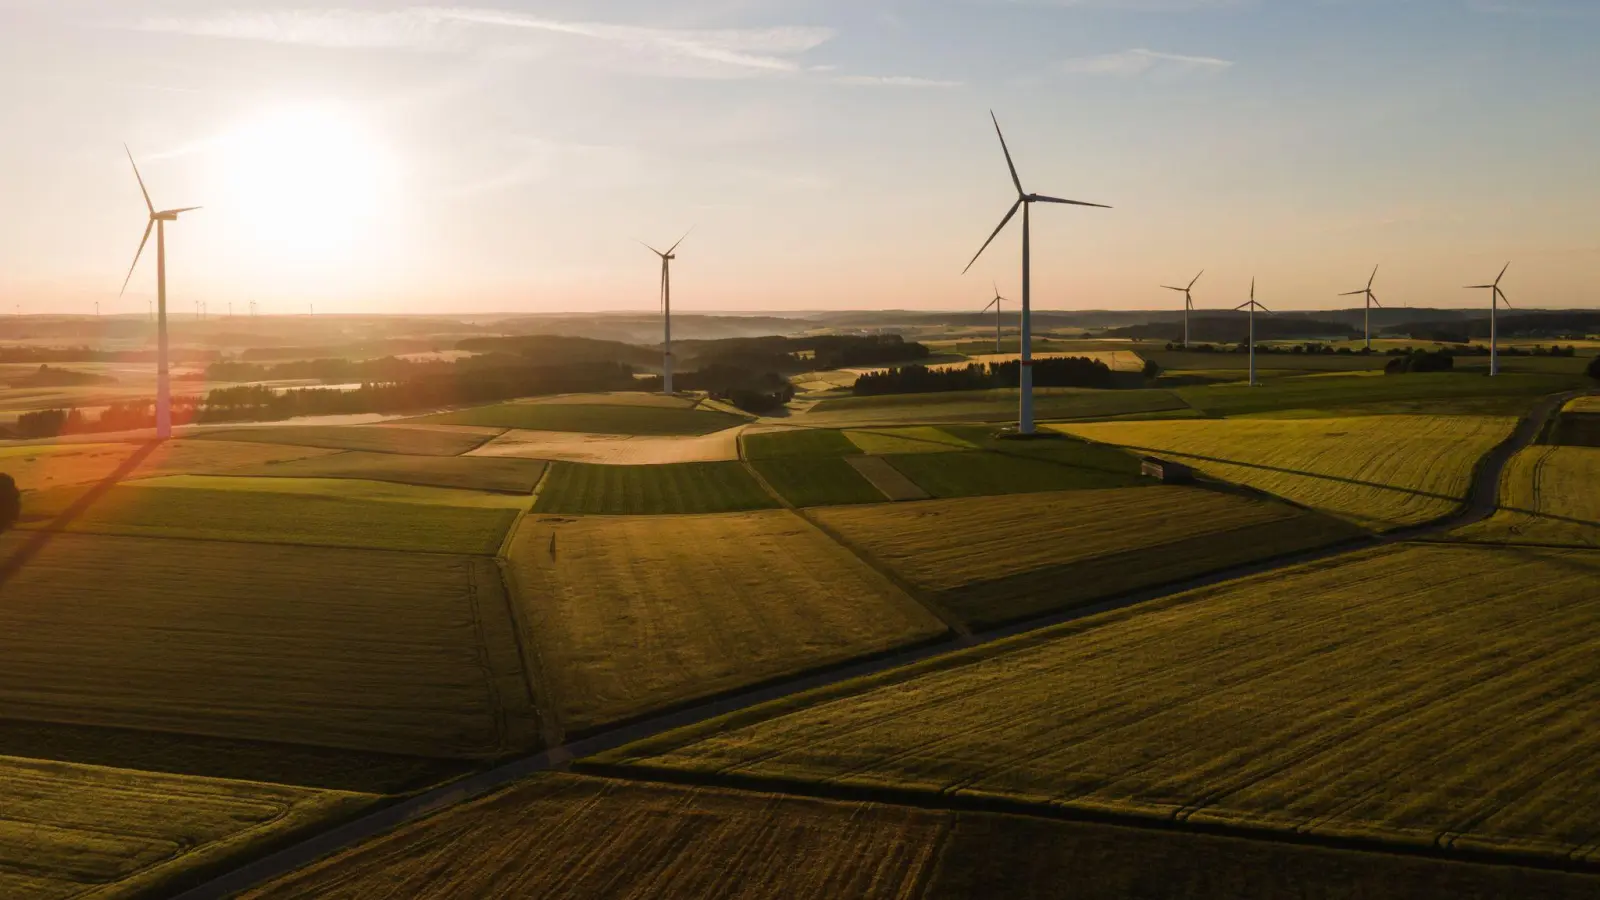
{"x": 666, "y": 310}
{"x": 997, "y": 320}
{"x": 1188, "y": 304}
{"x": 1026, "y": 201}
{"x": 1372, "y": 300}
{"x": 1496, "y": 297}
{"x": 158, "y": 222}
{"x": 1253, "y": 306}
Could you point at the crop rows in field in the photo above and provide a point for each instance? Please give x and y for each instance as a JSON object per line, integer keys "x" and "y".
{"x": 704, "y": 487}
{"x": 365, "y": 650}
{"x": 477, "y": 473}
{"x": 798, "y": 442}
{"x": 1380, "y": 472}
{"x": 411, "y": 441}
{"x": 594, "y": 418}
{"x": 825, "y": 481}
{"x": 906, "y": 439}
{"x": 1548, "y": 495}
{"x": 632, "y": 614}
{"x": 1432, "y": 695}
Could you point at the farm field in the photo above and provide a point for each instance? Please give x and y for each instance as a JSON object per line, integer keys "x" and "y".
{"x": 468, "y": 472}
{"x": 593, "y": 418}
{"x": 259, "y": 510}
{"x": 998, "y": 405}
{"x": 1323, "y": 395}
{"x": 71, "y": 831}
{"x": 994, "y": 561}
{"x": 375, "y": 438}
{"x": 980, "y": 474}
{"x": 39, "y": 466}
{"x": 1380, "y": 472}
{"x": 797, "y": 442}
{"x": 705, "y": 487}
{"x": 908, "y": 439}
{"x": 1425, "y": 695}
{"x": 613, "y": 449}
{"x": 388, "y": 652}
{"x": 702, "y": 604}
{"x": 886, "y": 478}
{"x": 817, "y": 481}
{"x": 1589, "y": 404}
{"x": 1548, "y": 495}
{"x": 617, "y": 398}
{"x": 1239, "y": 363}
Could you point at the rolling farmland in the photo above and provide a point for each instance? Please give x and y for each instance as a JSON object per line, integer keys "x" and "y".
{"x": 1548, "y": 495}
{"x": 827, "y": 481}
{"x": 702, "y": 604}
{"x": 909, "y": 439}
{"x": 390, "y": 652}
{"x": 995, "y": 561}
{"x": 472, "y": 473}
{"x": 1433, "y": 393}
{"x": 74, "y": 831}
{"x": 999, "y": 405}
{"x": 40, "y": 466}
{"x": 1430, "y": 695}
{"x": 1380, "y": 472}
{"x": 612, "y": 449}
{"x": 593, "y": 418}
{"x": 802, "y": 442}
{"x": 413, "y": 441}
{"x": 650, "y": 490}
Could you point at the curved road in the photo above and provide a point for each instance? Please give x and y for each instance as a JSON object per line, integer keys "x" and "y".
{"x": 1482, "y": 499}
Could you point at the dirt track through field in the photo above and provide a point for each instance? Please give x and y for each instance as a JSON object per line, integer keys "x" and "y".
{"x": 1482, "y": 501}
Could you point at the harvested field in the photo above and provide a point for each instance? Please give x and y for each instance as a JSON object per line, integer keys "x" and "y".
{"x": 385, "y": 438}
{"x": 650, "y": 490}
{"x": 909, "y": 439}
{"x": 509, "y": 475}
{"x": 792, "y": 442}
{"x": 825, "y": 481}
{"x": 1548, "y": 495}
{"x": 389, "y": 652}
{"x": 613, "y": 449}
{"x": 1426, "y": 695}
{"x": 996, "y": 560}
{"x": 998, "y": 405}
{"x": 268, "y": 511}
{"x": 40, "y": 466}
{"x": 702, "y": 604}
{"x": 886, "y": 478}
{"x": 74, "y": 831}
{"x": 1380, "y": 472}
{"x": 1031, "y": 468}
{"x": 593, "y": 418}
{"x": 1589, "y": 404}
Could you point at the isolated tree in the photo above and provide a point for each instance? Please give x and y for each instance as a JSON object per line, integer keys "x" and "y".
{"x": 10, "y": 501}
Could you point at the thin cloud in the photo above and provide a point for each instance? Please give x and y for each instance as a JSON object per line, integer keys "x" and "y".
{"x": 909, "y": 81}
{"x": 1141, "y": 61}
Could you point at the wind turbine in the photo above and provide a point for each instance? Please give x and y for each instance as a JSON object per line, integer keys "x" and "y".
{"x": 997, "y": 320}
{"x": 1372, "y": 300}
{"x": 1496, "y": 297}
{"x": 666, "y": 310}
{"x": 1188, "y": 305}
{"x": 1253, "y": 305}
{"x": 1026, "y": 201}
{"x": 158, "y": 222}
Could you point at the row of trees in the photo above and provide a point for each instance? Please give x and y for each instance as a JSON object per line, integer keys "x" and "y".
{"x": 1076, "y": 371}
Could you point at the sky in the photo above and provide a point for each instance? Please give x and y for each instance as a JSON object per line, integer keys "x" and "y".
{"x": 829, "y": 154}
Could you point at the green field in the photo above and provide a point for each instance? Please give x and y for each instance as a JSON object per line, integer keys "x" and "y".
{"x": 77, "y": 831}
{"x": 375, "y": 651}
{"x": 261, "y": 512}
{"x": 1441, "y": 393}
{"x": 1423, "y": 695}
{"x": 374, "y": 438}
{"x": 995, "y": 560}
{"x": 982, "y": 474}
{"x": 811, "y": 442}
{"x": 632, "y": 614}
{"x": 1548, "y": 495}
{"x": 998, "y": 405}
{"x": 828, "y": 481}
{"x": 39, "y": 466}
{"x": 566, "y": 835}
{"x": 907, "y": 439}
{"x": 480, "y": 473}
{"x": 1239, "y": 363}
{"x": 595, "y": 418}
{"x": 1380, "y": 472}
{"x": 705, "y": 487}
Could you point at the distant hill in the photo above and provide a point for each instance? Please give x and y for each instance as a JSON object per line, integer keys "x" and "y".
{"x": 1234, "y": 328}
{"x": 1536, "y": 324}
{"x": 634, "y": 328}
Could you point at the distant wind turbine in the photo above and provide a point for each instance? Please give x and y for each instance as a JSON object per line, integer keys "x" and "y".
{"x": 1253, "y": 306}
{"x": 1026, "y": 201}
{"x": 158, "y": 222}
{"x": 997, "y": 320}
{"x": 1188, "y": 305}
{"x": 666, "y": 310}
{"x": 1496, "y": 297}
{"x": 1372, "y": 300}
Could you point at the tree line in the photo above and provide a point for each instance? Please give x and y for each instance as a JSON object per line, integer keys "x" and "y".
{"x": 1074, "y": 371}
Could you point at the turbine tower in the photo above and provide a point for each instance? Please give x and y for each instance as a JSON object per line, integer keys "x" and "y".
{"x": 1496, "y": 297}
{"x": 666, "y": 310}
{"x": 1372, "y": 300}
{"x": 1253, "y": 305}
{"x": 158, "y": 222}
{"x": 1026, "y": 201}
{"x": 997, "y": 320}
{"x": 1188, "y": 305}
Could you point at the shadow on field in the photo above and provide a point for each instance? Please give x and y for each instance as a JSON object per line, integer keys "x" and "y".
{"x": 43, "y": 536}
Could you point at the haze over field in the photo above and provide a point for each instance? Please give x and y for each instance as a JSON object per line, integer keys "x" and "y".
{"x": 372, "y": 157}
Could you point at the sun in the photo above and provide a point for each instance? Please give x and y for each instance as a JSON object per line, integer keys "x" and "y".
{"x": 308, "y": 179}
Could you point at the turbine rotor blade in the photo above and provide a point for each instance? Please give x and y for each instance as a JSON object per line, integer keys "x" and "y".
{"x": 174, "y": 212}
{"x": 148, "y": 205}
{"x": 650, "y": 248}
{"x": 1243, "y": 305}
{"x": 1477, "y": 287}
{"x": 1502, "y": 274}
{"x": 991, "y": 303}
{"x": 1196, "y": 278}
{"x": 680, "y": 240}
{"x": 998, "y": 229}
{"x": 1262, "y": 308}
{"x": 1007, "y": 151}
{"x": 1503, "y": 298}
{"x": 1171, "y": 288}
{"x": 1374, "y": 298}
{"x": 1351, "y": 293}
{"x": 1373, "y": 276}
{"x": 149, "y": 226}
{"x": 1043, "y": 199}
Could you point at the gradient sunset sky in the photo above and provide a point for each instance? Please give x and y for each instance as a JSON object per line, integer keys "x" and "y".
{"x": 376, "y": 157}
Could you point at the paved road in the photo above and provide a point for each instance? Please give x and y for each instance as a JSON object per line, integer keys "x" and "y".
{"x": 1481, "y": 502}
